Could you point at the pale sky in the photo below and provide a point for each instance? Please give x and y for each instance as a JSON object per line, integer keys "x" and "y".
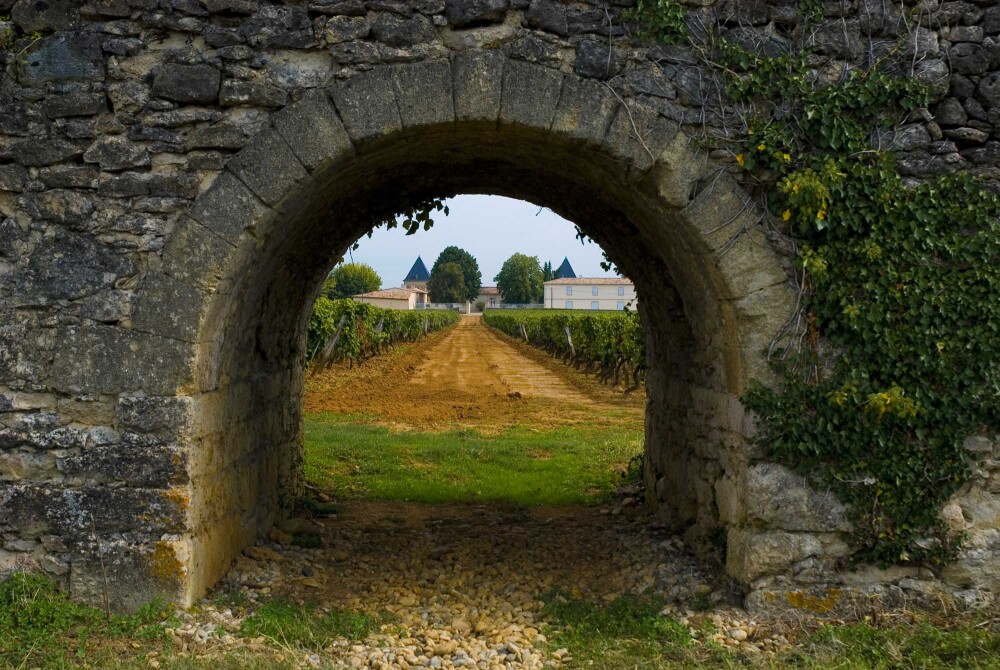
{"x": 489, "y": 227}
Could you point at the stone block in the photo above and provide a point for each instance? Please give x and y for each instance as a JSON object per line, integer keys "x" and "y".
{"x": 314, "y": 132}
{"x": 780, "y": 499}
{"x": 978, "y": 563}
{"x": 229, "y": 207}
{"x": 61, "y": 206}
{"x": 585, "y": 110}
{"x": 345, "y": 28}
{"x": 12, "y": 177}
{"x": 478, "y": 85}
{"x": 134, "y": 461}
{"x": 167, "y": 417}
{"x": 403, "y": 32}
{"x": 367, "y": 105}
{"x": 595, "y": 59}
{"x": 268, "y": 166}
{"x": 748, "y": 264}
{"x": 39, "y": 152}
{"x": 530, "y": 95}
{"x": 548, "y": 15}
{"x": 638, "y": 135}
{"x": 717, "y": 213}
{"x": 169, "y": 307}
{"x": 751, "y": 554}
{"x": 110, "y": 359}
{"x": 33, "y": 510}
{"x": 192, "y": 84}
{"x": 63, "y": 57}
{"x": 82, "y": 103}
{"x": 33, "y": 16}
{"x": 196, "y": 255}
{"x": 138, "y": 573}
{"x": 68, "y": 266}
{"x": 463, "y": 13}
{"x": 678, "y": 169}
{"x": 220, "y": 136}
{"x": 254, "y": 93}
{"x": 117, "y": 153}
{"x": 423, "y": 93}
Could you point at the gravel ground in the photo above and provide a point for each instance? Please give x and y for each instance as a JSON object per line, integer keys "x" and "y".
{"x": 463, "y": 582}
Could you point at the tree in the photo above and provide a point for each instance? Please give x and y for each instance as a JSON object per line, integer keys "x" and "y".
{"x": 472, "y": 277}
{"x": 547, "y": 273}
{"x": 349, "y": 279}
{"x": 447, "y": 283}
{"x": 520, "y": 279}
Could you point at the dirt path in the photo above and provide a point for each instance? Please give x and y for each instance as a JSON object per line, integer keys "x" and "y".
{"x": 469, "y": 376}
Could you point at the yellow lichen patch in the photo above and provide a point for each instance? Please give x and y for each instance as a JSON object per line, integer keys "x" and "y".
{"x": 180, "y": 497}
{"x": 164, "y": 563}
{"x": 818, "y": 604}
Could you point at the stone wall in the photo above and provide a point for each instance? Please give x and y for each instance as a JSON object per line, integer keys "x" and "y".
{"x": 167, "y": 167}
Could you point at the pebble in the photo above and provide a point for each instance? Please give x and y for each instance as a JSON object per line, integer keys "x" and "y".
{"x": 463, "y": 582}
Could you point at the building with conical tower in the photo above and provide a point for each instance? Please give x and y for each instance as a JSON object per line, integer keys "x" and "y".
{"x": 417, "y": 276}
{"x": 565, "y": 271}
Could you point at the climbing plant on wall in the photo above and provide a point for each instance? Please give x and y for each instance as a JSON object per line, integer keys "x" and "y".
{"x": 893, "y": 359}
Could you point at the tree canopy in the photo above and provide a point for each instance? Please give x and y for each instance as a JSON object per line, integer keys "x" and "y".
{"x": 547, "y": 272}
{"x": 349, "y": 279}
{"x": 520, "y": 280}
{"x": 447, "y": 283}
{"x": 471, "y": 276}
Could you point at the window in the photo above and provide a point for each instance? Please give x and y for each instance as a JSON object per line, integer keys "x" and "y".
{"x": 621, "y": 305}
{"x": 593, "y": 290}
{"x": 621, "y": 290}
{"x": 569, "y": 290}
{"x": 595, "y": 305}
{"x": 493, "y": 302}
{"x": 569, "y": 304}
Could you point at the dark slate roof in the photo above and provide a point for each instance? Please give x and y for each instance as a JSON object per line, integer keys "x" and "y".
{"x": 565, "y": 270}
{"x": 418, "y": 272}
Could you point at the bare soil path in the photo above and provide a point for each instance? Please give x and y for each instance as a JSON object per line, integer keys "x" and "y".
{"x": 469, "y": 376}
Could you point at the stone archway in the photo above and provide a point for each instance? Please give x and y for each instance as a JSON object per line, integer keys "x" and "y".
{"x": 240, "y": 269}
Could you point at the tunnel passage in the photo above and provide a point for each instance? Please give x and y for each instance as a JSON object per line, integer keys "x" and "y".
{"x": 239, "y": 274}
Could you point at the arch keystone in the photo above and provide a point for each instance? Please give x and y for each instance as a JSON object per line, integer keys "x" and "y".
{"x": 477, "y": 85}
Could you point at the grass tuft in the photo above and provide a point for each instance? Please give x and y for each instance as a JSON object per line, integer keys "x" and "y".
{"x": 302, "y": 626}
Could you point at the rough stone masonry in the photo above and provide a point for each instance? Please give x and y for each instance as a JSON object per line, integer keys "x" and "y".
{"x": 176, "y": 177}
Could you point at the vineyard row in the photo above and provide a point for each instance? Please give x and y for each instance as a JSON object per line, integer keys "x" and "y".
{"x": 610, "y": 344}
{"x": 354, "y": 331}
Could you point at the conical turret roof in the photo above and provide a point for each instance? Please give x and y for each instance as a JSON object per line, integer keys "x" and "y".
{"x": 418, "y": 272}
{"x": 565, "y": 270}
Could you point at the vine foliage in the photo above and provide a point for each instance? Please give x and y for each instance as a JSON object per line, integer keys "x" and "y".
{"x": 902, "y": 283}
{"x": 897, "y": 361}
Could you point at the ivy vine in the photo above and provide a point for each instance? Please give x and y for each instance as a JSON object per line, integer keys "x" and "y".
{"x": 897, "y": 361}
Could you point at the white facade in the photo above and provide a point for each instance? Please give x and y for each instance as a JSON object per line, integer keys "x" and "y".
{"x": 590, "y": 293}
{"x": 394, "y": 298}
{"x": 489, "y": 296}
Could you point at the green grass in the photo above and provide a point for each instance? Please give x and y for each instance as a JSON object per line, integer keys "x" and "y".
{"x": 629, "y": 634}
{"x": 291, "y": 624}
{"x": 561, "y": 466}
{"x": 41, "y": 627}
